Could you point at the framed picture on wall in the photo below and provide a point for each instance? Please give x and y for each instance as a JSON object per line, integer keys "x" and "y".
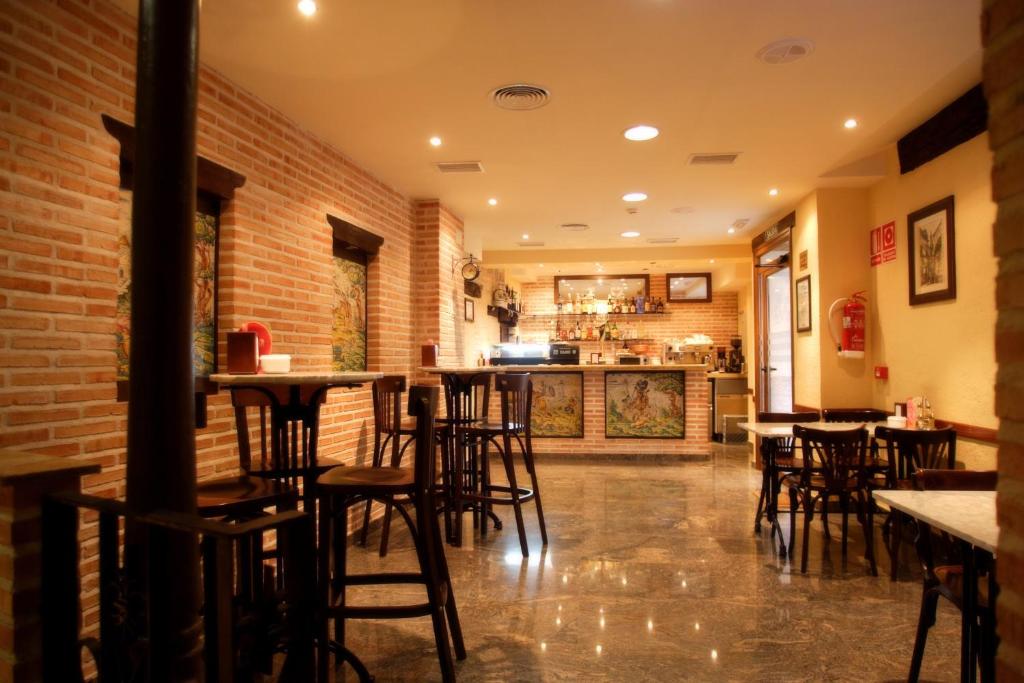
{"x": 932, "y": 253}
{"x": 469, "y": 312}
{"x": 803, "y": 304}
{"x": 688, "y": 287}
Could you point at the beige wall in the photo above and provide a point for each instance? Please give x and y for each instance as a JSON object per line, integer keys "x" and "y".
{"x": 807, "y": 345}
{"x": 944, "y": 350}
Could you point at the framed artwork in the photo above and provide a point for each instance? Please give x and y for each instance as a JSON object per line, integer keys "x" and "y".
{"x": 204, "y": 292}
{"x": 644, "y": 405}
{"x": 803, "y": 304}
{"x": 557, "y": 405}
{"x": 348, "y": 310}
{"x": 689, "y": 287}
{"x": 932, "y": 253}
{"x": 469, "y": 312}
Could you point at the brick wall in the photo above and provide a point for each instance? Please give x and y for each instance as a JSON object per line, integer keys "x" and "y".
{"x": 63, "y": 63}
{"x": 1003, "y": 38}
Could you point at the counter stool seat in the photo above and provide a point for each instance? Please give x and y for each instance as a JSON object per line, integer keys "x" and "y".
{"x": 369, "y": 481}
{"x": 241, "y": 494}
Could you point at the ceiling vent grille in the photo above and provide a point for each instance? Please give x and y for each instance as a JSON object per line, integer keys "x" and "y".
{"x": 459, "y": 167}
{"x": 574, "y": 227}
{"x": 531, "y": 244}
{"x": 713, "y": 159}
{"x": 662, "y": 240}
{"x": 520, "y": 97}
{"x": 785, "y": 51}
{"x": 740, "y": 223}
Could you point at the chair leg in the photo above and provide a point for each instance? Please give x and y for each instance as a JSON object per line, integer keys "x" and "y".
{"x": 808, "y": 516}
{"x": 824, "y": 516}
{"x": 532, "y": 469}
{"x": 869, "y": 532}
{"x": 895, "y": 538}
{"x": 762, "y": 500}
{"x": 430, "y": 566}
{"x": 929, "y": 603}
{"x": 324, "y": 590}
{"x": 510, "y": 472}
{"x": 793, "y": 507}
{"x": 844, "y": 505}
{"x": 385, "y": 529}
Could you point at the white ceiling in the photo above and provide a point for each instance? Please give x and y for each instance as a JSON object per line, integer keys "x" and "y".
{"x": 377, "y": 78}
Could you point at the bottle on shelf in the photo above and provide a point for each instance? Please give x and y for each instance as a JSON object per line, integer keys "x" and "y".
{"x": 578, "y": 334}
{"x": 561, "y": 303}
{"x": 632, "y": 305}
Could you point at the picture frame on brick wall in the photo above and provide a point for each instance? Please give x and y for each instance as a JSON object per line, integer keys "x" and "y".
{"x": 469, "y": 310}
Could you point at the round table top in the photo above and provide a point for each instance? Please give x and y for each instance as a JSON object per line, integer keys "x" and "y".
{"x": 290, "y": 378}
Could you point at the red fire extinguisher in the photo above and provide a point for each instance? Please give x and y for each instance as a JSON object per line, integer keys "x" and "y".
{"x": 851, "y": 345}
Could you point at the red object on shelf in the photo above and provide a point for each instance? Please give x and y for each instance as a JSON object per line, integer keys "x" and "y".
{"x": 262, "y": 335}
{"x": 881, "y": 372}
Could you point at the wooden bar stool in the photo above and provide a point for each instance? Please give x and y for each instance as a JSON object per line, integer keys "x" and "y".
{"x": 343, "y": 487}
{"x": 516, "y": 395}
{"x": 389, "y": 428}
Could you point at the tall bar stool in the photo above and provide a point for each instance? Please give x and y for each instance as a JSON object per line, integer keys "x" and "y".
{"x": 389, "y": 429}
{"x": 516, "y": 395}
{"x": 343, "y": 487}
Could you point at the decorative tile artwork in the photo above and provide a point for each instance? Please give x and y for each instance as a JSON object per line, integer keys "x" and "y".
{"x": 645, "y": 405}
{"x": 204, "y": 323}
{"x": 557, "y": 404}
{"x": 348, "y": 319}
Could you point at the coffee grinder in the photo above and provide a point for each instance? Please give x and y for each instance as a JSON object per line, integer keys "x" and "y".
{"x": 735, "y": 361}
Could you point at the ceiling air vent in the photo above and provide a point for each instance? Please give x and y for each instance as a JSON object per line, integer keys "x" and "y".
{"x": 713, "y": 159}
{"x": 662, "y": 240}
{"x": 459, "y": 167}
{"x": 520, "y": 97}
{"x": 740, "y": 223}
{"x": 785, "y": 51}
{"x": 574, "y": 227}
{"x": 530, "y": 244}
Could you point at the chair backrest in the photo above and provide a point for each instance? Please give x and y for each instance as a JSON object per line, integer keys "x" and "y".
{"x": 956, "y": 480}
{"x": 838, "y": 455}
{"x": 801, "y": 416}
{"x": 387, "y": 403}
{"x": 516, "y": 394}
{"x": 910, "y": 450}
{"x": 854, "y": 415}
{"x": 423, "y": 406}
{"x": 283, "y": 447}
{"x": 467, "y": 395}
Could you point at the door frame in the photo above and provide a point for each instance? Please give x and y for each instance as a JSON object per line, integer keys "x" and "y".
{"x": 775, "y": 236}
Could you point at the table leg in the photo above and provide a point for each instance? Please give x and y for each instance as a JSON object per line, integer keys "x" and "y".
{"x": 969, "y": 615}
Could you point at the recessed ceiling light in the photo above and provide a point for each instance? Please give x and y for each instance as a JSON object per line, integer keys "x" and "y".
{"x": 634, "y": 197}
{"x": 492, "y": 201}
{"x": 850, "y": 124}
{"x": 631, "y": 233}
{"x": 731, "y": 230}
{"x": 307, "y": 7}
{"x": 526, "y": 235}
{"x": 540, "y": 265}
{"x": 641, "y": 133}
{"x": 773, "y": 192}
{"x": 435, "y": 141}
{"x": 711, "y": 260}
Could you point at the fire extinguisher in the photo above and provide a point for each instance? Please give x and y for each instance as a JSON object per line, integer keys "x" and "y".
{"x": 851, "y": 345}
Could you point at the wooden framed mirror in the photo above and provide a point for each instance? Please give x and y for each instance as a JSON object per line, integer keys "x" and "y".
{"x": 688, "y": 287}
{"x": 603, "y": 286}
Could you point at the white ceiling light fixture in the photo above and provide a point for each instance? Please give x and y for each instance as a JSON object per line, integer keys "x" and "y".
{"x": 731, "y": 231}
{"x": 634, "y": 197}
{"x": 631, "y": 233}
{"x": 641, "y": 133}
{"x": 526, "y": 236}
{"x": 492, "y": 201}
{"x": 435, "y": 141}
{"x": 307, "y": 7}
{"x": 850, "y": 124}
{"x": 774, "y": 192}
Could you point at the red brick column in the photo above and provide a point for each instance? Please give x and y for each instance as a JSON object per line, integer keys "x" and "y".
{"x": 25, "y": 479}
{"x": 1003, "y": 38}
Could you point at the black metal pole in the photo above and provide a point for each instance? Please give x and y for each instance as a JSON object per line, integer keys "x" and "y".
{"x": 164, "y": 565}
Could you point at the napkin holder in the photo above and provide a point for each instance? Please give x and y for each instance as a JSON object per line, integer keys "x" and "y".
{"x": 243, "y": 353}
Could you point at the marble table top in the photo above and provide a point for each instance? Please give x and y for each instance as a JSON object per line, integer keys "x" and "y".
{"x": 776, "y": 429}
{"x": 595, "y": 367}
{"x": 297, "y": 378}
{"x": 968, "y": 515}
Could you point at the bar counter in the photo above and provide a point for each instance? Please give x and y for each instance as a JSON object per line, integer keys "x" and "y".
{"x": 639, "y": 411}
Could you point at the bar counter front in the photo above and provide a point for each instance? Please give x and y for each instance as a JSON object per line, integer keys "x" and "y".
{"x": 641, "y": 411}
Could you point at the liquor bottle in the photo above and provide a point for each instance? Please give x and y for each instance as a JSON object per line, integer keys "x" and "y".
{"x": 561, "y": 304}
{"x": 632, "y": 305}
{"x": 579, "y": 332}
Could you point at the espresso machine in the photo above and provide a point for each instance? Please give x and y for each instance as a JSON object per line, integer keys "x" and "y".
{"x": 735, "y": 361}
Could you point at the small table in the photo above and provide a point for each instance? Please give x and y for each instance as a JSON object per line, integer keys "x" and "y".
{"x": 305, "y": 393}
{"x": 970, "y": 517}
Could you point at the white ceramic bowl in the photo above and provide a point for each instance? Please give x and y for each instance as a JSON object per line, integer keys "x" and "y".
{"x": 896, "y": 421}
{"x": 276, "y": 363}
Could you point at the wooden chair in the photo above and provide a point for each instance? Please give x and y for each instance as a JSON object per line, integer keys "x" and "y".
{"x": 853, "y": 415}
{"x": 343, "y": 487}
{"x": 389, "y": 429}
{"x": 908, "y": 451}
{"x": 777, "y": 458}
{"x": 834, "y": 464}
{"x": 946, "y": 580}
{"x": 516, "y": 395}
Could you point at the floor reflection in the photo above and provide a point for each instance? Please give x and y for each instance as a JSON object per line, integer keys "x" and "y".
{"x": 653, "y": 573}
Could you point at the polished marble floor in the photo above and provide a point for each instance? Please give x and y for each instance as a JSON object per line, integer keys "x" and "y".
{"x": 653, "y": 573}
